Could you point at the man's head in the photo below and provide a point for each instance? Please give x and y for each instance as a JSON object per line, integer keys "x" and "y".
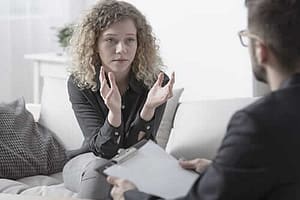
{"x": 276, "y": 23}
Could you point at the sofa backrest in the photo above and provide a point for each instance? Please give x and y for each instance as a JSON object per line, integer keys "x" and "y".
{"x": 199, "y": 126}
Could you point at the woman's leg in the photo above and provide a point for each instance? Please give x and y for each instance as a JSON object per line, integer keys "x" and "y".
{"x": 74, "y": 168}
{"x": 93, "y": 183}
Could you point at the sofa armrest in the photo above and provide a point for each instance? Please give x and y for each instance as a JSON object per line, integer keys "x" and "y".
{"x": 35, "y": 110}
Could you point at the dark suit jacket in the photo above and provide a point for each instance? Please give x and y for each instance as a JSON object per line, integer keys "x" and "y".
{"x": 258, "y": 158}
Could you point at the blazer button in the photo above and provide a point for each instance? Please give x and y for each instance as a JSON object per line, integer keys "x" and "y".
{"x": 116, "y": 133}
{"x": 148, "y": 127}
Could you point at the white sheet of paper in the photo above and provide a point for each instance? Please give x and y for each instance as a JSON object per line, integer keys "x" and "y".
{"x": 155, "y": 172}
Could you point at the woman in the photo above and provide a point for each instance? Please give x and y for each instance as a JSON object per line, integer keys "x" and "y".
{"x": 117, "y": 89}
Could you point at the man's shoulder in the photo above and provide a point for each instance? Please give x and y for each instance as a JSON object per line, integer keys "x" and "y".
{"x": 274, "y": 103}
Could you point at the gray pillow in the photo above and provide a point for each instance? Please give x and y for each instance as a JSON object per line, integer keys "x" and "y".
{"x": 166, "y": 123}
{"x": 26, "y": 147}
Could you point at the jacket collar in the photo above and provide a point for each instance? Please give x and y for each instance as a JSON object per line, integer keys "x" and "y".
{"x": 291, "y": 81}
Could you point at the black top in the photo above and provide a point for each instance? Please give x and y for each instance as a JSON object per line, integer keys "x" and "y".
{"x": 258, "y": 158}
{"x": 91, "y": 112}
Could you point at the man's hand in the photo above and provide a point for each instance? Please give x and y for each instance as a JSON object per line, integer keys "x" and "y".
{"x": 120, "y": 186}
{"x": 198, "y": 164}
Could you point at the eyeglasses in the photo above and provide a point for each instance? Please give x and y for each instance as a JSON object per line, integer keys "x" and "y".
{"x": 245, "y": 37}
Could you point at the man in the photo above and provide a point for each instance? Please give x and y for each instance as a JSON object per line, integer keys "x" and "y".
{"x": 258, "y": 158}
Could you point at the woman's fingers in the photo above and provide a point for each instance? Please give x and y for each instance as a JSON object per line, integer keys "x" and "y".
{"x": 170, "y": 85}
{"x": 103, "y": 83}
{"x": 112, "y": 80}
{"x": 102, "y": 77}
{"x": 160, "y": 79}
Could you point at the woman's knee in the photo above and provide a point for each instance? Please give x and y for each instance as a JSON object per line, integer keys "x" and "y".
{"x": 93, "y": 183}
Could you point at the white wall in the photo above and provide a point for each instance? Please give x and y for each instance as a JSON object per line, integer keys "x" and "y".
{"x": 27, "y": 28}
{"x": 199, "y": 42}
{"x": 5, "y": 57}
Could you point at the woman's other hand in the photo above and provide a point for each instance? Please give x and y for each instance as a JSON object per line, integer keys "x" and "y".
{"x": 111, "y": 97}
{"x": 157, "y": 95}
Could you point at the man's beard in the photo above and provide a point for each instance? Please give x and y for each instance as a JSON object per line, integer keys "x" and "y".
{"x": 258, "y": 70}
{"x": 259, "y": 73}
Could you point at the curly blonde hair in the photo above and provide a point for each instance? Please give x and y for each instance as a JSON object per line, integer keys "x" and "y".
{"x": 147, "y": 63}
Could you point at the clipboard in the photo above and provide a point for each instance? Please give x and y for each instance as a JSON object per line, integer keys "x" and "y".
{"x": 123, "y": 156}
{"x": 152, "y": 170}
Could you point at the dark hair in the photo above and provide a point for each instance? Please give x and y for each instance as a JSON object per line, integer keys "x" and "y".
{"x": 277, "y": 22}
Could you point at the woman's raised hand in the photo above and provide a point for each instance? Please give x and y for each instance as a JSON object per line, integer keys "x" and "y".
{"x": 110, "y": 93}
{"x": 159, "y": 94}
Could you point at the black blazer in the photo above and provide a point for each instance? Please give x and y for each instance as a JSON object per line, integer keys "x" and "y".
{"x": 258, "y": 158}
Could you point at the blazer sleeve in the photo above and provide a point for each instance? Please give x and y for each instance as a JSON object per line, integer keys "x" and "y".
{"x": 100, "y": 137}
{"x": 240, "y": 169}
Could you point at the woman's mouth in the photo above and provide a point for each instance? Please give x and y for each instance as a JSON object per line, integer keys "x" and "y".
{"x": 120, "y": 60}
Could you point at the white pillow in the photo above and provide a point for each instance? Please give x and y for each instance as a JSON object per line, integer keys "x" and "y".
{"x": 57, "y": 113}
{"x": 199, "y": 126}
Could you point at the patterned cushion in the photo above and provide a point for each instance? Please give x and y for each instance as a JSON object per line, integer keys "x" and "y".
{"x": 26, "y": 147}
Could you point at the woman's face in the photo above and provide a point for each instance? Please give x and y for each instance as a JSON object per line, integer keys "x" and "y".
{"x": 117, "y": 46}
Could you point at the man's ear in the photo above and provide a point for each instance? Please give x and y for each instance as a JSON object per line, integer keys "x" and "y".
{"x": 261, "y": 53}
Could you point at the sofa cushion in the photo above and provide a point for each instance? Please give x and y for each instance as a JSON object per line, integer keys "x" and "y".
{"x": 166, "y": 124}
{"x": 58, "y": 192}
{"x": 200, "y": 126}
{"x": 11, "y": 186}
{"x": 26, "y": 147}
{"x": 39, "y": 180}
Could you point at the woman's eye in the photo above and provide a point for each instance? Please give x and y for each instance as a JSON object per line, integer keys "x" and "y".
{"x": 110, "y": 40}
{"x": 130, "y": 40}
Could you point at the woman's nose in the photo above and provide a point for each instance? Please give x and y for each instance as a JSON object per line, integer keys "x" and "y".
{"x": 120, "y": 48}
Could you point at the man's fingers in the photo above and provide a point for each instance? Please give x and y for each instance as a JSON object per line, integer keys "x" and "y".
{"x": 115, "y": 193}
{"x": 187, "y": 164}
{"x": 112, "y": 180}
{"x": 190, "y": 164}
{"x": 197, "y": 164}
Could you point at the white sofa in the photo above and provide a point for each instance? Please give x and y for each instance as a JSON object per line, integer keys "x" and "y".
{"x": 196, "y": 128}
